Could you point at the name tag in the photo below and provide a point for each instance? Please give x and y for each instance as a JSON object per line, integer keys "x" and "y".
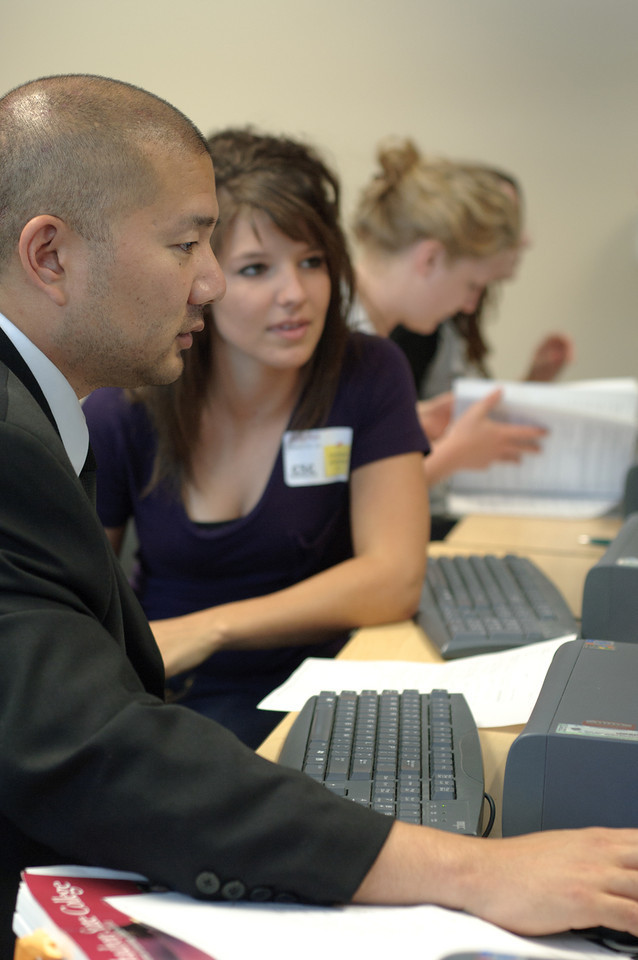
{"x": 315, "y": 457}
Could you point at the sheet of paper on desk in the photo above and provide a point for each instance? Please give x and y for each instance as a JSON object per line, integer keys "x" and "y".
{"x": 500, "y": 688}
{"x": 242, "y": 931}
{"x": 561, "y": 508}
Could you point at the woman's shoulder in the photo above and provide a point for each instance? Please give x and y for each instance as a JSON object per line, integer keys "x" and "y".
{"x": 368, "y": 351}
{"x": 110, "y": 401}
{"x": 104, "y": 398}
{"x": 112, "y": 409}
{"x": 378, "y": 400}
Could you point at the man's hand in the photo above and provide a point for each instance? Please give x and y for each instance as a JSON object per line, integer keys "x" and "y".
{"x": 532, "y": 885}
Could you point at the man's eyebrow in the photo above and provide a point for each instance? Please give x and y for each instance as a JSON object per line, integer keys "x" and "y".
{"x": 197, "y": 220}
{"x": 205, "y": 221}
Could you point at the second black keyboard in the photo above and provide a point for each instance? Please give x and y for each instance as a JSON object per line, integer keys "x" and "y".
{"x": 482, "y": 604}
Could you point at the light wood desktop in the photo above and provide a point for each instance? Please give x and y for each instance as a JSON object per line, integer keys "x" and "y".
{"x": 559, "y": 555}
{"x": 486, "y": 533}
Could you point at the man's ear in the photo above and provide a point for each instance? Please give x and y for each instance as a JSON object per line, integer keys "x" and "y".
{"x": 43, "y": 249}
{"x": 428, "y": 254}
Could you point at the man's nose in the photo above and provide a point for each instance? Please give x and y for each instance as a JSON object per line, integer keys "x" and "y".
{"x": 210, "y": 284}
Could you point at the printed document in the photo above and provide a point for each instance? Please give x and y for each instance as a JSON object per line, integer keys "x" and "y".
{"x": 581, "y": 468}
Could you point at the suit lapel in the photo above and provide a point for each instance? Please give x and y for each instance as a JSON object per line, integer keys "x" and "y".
{"x": 12, "y": 359}
{"x": 88, "y": 476}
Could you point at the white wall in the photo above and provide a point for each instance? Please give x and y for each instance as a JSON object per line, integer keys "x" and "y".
{"x": 545, "y": 88}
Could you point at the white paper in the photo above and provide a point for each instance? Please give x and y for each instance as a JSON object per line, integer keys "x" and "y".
{"x": 500, "y": 688}
{"x": 590, "y": 445}
{"x": 513, "y": 505}
{"x": 283, "y": 932}
{"x": 243, "y": 931}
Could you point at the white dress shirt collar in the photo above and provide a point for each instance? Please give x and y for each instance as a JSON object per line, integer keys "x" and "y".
{"x": 59, "y": 394}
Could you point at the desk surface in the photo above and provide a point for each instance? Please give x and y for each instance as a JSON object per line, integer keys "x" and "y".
{"x": 524, "y": 534}
{"x": 552, "y": 544}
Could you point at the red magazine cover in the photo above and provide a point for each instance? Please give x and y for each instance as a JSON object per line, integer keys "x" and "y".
{"x": 74, "y": 910}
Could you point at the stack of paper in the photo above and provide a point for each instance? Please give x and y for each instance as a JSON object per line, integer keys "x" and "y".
{"x": 585, "y": 456}
{"x": 251, "y": 931}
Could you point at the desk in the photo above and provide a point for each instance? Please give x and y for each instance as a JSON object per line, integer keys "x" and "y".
{"x": 524, "y": 534}
{"x": 564, "y": 561}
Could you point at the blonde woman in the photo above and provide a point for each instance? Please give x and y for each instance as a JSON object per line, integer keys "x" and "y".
{"x": 432, "y": 236}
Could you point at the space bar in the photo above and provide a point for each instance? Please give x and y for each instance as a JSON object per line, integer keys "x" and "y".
{"x": 358, "y": 790}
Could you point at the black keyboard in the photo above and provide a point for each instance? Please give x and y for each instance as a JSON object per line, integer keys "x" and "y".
{"x": 414, "y": 756}
{"x": 481, "y": 604}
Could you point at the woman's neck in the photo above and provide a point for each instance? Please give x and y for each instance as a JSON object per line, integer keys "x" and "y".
{"x": 374, "y": 292}
{"x": 251, "y": 391}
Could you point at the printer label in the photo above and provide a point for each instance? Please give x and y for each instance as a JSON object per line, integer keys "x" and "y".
{"x": 605, "y": 730}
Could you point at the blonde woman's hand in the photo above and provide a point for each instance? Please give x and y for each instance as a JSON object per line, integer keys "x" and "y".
{"x": 435, "y": 415}
{"x": 551, "y": 355}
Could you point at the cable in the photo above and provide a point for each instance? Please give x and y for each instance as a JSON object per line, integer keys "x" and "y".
{"x": 490, "y": 822}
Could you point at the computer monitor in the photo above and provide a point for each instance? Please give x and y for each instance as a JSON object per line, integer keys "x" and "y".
{"x": 610, "y": 594}
{"x": 630, "y": 498}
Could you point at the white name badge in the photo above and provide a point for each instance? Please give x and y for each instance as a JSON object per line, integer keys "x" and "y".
{"x": 316, "y": 457}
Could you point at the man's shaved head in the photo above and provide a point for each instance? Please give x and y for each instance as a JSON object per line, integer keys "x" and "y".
{"x": 79, "y": 147}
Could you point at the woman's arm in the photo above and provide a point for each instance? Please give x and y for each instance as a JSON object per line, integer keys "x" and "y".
{"x": 381, "y": 583}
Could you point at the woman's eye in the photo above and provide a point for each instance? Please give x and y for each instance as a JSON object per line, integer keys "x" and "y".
{"x": 315, "y": 262}
{"x": 253, "y": 270}
{"x": 188, "y": 246}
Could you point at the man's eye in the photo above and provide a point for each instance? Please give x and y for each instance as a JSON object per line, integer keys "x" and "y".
{"x": 188, "y": 246}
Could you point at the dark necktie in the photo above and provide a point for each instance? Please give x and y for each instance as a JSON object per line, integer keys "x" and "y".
{"x": 87, "y": 476}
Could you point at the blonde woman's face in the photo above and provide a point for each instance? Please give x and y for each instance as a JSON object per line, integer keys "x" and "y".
{"x": 441, "y": 287}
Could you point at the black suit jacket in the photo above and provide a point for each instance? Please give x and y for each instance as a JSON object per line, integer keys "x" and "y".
{"x": 94, "y": 766}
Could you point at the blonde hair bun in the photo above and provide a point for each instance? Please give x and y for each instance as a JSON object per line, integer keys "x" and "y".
{"x": 397, "y": 158}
